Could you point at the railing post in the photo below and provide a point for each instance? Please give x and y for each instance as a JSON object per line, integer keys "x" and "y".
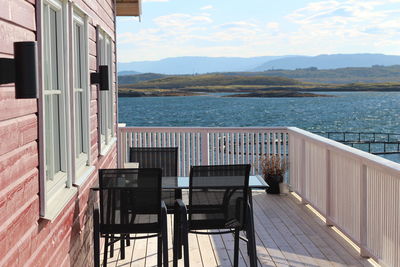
{"x": 363, "y": 211}
{"x": 121, "y": 151}
{"x": 328, "y": 188}
{"x": 303, "y": 172}
{"x": 205, "y": 153}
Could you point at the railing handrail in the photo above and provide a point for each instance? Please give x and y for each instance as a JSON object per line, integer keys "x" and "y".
{"x": 351, "y": 132}
{"x": 200, "y": 129}
{"x": 364, "y": 157}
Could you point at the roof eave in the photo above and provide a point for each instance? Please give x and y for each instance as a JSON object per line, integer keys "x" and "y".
{"x": 129, "y": 8}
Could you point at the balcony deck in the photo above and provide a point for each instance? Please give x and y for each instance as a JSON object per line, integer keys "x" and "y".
{"x": 287, "y": 234}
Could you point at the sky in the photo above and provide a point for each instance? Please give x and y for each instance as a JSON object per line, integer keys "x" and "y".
{"x": 233, "y": 28}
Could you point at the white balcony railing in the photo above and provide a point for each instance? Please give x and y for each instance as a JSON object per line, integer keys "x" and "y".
{"x": 207, "y": 146}
{"x": 355, "y": 191}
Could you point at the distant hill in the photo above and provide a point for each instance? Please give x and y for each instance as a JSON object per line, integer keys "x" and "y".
{"x": 200, "y": 81}
{"x": 253, "y": 86}
{"x": 329, "y": 61}
{"x": 136, "y": 78}
{"x": 376, "y": 74}
{"x": 195, "y": 65}
{"x": 130, "y": 72}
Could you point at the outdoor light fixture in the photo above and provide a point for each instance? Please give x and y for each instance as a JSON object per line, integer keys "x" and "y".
{"x": 101, "y": 78}
{"x": 22, "y": 70}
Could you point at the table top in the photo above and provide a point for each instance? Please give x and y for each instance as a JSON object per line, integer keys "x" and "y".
{"x": 255, "y": 182}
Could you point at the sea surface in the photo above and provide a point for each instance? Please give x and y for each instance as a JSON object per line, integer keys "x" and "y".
{"x": 346, "y": 111}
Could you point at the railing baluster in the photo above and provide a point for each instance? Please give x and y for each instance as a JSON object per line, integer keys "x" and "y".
{"x": 279, "y": 144}
{"x": 227, "y": 145}
{"x": 236, "y": 149}
{"x": 198, "y": 148}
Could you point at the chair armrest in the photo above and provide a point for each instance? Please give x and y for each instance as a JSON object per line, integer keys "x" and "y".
{"x": 180, "y": 207}
{"x": 163, "y": 208}
{"x": 96, "y": 207}
{"x": 96, "y": 213}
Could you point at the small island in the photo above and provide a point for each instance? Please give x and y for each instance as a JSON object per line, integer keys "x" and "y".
{"x": 242, "y": 86}
{"x": 279, "y": 94}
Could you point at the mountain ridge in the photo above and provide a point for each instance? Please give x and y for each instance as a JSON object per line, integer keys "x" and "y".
{"x": 202, "y": 65}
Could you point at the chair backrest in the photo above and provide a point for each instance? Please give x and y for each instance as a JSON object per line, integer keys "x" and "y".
{"x": 219, "y": 193}
{"x": 124, "y": 192}
{"x": 165, "y": 158}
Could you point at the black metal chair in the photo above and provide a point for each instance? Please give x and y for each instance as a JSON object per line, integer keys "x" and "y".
{"x": 165, "y": 158}
{"x": 130, "y": 203}
{"x": 218, "y": 199}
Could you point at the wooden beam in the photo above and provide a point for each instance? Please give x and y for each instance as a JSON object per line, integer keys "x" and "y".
{"x": 129, "y": 9}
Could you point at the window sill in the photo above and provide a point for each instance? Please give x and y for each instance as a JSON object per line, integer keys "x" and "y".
{"x": 83, "y": 174}
{"x": 106, "y": 148}
{"x": 58, "y": 202}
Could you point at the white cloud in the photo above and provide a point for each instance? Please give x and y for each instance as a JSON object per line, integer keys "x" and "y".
{"x": 207, "y": 7}
{"x": 181, "y": 20}
{"x": 320, "y": 27}
{"x": 273, "y": 25}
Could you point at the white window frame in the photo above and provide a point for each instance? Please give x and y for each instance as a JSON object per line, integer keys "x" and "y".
{"x": 106, "y": 98}
{"x": 56, "y": 186}
{"x": 82, "y": 168}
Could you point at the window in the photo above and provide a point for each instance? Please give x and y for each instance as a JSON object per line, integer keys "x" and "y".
{"x": 106, "y": 97}
{"x": 55, "y": 96}
{"x": 56, "y": 183}
{"x": 80, "y": 93}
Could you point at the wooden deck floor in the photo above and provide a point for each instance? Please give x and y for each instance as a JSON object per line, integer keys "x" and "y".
{"x": 287, "y": 234}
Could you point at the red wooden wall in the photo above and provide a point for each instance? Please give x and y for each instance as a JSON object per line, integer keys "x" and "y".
{"x": 25, "y": 238}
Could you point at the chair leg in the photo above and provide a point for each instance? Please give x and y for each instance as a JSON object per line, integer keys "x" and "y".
{"x": 159, "y": 250}
{"x": 122, "y": 242}
{"x": 112, "y": 246}
{"x": 96, "y": 239}
{"x": 251, "y": 243}
{"x": 128, "y": 241}
{"x": 185, "y": 242}
{"x": 236, "y": 249}
{"x": 105, "y": 251}
{"x": 175, "y": 245}
{"x": 165, "y": 241}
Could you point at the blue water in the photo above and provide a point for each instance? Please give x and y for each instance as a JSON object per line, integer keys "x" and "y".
{"x": 348, "y": 111}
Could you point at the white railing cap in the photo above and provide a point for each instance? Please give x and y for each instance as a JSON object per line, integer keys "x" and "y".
{"x": 333, "y": 145}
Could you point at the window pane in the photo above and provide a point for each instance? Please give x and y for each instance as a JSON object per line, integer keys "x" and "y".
{"x": 56, "y": 133}
{"x": 54, "y": 39}
{"x": 79, "y": 141}
{"x": 48, "y": 138}
{"x": 78, "y": 56}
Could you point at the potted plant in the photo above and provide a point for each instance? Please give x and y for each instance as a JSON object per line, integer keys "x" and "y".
{"x": 273, "y": 169}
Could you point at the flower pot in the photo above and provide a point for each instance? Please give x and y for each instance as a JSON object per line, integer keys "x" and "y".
{"x": 284, "y": 188}
{"x": 273, "y": 183}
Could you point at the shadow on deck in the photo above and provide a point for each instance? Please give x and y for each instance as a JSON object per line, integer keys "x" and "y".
{"x": 287, "y": 234}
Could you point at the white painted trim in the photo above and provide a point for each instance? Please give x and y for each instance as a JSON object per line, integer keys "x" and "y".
{"x": 80, "y": 18}
{"x": 58, "y": 202}
{"x": 41, "y": 146}
{"x": 83, "y": 175}
{"x": 108, "y": 147}
{"x": 51, "y": 203}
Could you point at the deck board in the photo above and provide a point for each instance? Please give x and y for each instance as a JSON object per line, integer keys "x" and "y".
{"x": 287, "y": 234}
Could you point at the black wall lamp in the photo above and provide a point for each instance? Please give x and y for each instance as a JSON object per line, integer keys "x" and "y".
{"x": 22, "y": 70}
{"x": 101, "y": 78}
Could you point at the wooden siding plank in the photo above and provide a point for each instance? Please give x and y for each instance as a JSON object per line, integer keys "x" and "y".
{"x": 10, "y": 33}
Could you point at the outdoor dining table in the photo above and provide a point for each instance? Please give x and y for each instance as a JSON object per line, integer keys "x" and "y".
{"x": 182, "y": 182}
